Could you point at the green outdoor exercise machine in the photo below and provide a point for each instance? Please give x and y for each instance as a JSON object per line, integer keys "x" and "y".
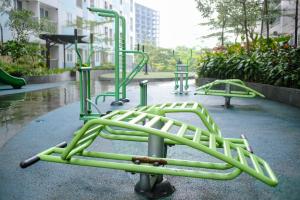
{"x": 226, "y": 88}
{"x": 86, "y": 103}
{"x": 120, "y": 82}
{"x": 182, "y": 74}
{"x": 150, "y": 124}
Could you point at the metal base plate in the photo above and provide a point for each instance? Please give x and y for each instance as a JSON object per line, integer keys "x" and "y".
{"x": 159, "y": 190}
{"x": 117, "y": 103}
{"x": 125, "y": 100}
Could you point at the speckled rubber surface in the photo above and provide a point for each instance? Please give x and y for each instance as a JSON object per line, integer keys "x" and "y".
{"x": 273, "y": 130}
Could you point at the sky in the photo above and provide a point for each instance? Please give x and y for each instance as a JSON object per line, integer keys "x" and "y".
{"x": 179, "y": 21}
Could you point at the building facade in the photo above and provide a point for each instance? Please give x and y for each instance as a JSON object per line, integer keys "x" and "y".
{"x": 69, "y": 14}
{"x": 285, "y": 23}
{"x": 147, "y": 22}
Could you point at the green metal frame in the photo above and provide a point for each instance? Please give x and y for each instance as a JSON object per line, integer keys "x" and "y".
{"x": 232, "y": 156}
{"x": 85, "y": 82}
{"x": 129, "y": 78}
{"x": 186, "y": 71}
{"x": 125, "y": 80}
{"x": 247, "y": 92}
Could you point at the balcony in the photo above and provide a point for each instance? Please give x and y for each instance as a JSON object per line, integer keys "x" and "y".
{"x": 48, "y": 26}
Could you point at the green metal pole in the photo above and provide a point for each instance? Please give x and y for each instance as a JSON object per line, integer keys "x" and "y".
{"x": 79, "y": 60}
{"x": 115, "y": 15}
{"x": 124, "y": 94}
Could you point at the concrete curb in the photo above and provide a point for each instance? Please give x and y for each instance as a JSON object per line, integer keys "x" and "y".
{"x": 290, "y": 96}
{"x": 140, "y": 79}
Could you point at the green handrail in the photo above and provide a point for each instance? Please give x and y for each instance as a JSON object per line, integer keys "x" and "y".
{"x": 115, "y": 15}
{"x": 137, "y": 69}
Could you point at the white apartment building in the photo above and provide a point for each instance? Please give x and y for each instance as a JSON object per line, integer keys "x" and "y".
{"x": 66, "y": 15}
{"x": 285, "y": 24}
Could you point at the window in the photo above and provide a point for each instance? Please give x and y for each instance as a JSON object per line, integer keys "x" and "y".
{"x": 110, "y": 36}
{"x": 97, "y": 56}
{"x": 121, "y": 2}
{"x": 131, "y": 5}
{"x": 69, "y": 55}
{"x": 131, "y": 24}
{"x": 79, "y": 3}
{"x": 19, "y": 5}
{"x": 97, "y": 29}
{"x": 69, "y": 19}
{"x": 110, "y": 7}
{"x": 121, "y": 12}
{"x": 92, "y": 3}
{"x": 79, "y": 23}
{"x": 44, "y": 13}
{"x": 106, "y": 34}
{"x": 131, "y": 42}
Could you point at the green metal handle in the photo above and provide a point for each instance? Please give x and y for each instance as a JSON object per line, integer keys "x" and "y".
{"x": 143, "y": 61}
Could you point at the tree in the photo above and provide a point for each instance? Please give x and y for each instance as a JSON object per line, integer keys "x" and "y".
{"x": 209, "y": 8}
{"x": 238, "y": 16}
{"x": 296, "y": 24}
{"x": 22, "y": 24}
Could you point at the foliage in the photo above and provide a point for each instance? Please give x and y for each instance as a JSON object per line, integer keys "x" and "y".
{"x": 21, "y": 70}
{"x": 162, "y": 59}
{"x": 237, "y": 16}
{"x": 22, "y": 52}
{"x": 22, "y": 24}
{"x": 278, "y": 64}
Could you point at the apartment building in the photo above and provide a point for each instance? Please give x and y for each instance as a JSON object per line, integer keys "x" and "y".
{"x": 147, "y": 22}
{"x": 285, "y": 23}
{"x": 69, "y": 14}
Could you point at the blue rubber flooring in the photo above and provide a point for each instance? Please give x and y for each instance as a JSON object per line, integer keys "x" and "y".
{"x": 273, "y": 130}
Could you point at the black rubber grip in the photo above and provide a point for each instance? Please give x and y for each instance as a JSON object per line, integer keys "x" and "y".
{"x": 30, "y": 161}
{"x": 62, "y": 145}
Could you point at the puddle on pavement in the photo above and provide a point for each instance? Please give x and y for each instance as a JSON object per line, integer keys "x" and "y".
{"x": 19, "y": 109}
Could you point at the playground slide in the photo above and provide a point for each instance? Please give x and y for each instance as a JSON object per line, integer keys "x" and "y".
{"x": 15, "y": 82}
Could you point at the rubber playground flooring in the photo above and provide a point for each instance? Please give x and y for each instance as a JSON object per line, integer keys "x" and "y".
{"x": 273, "y": 130}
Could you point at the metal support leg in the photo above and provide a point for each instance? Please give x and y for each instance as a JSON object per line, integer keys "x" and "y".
{"x": 143, "y": 93}
{"x": 227, "y": 99}
{"x": 154, "y": 186}
{"x": 85, "y": 92}
{"x": 181, "y": 84}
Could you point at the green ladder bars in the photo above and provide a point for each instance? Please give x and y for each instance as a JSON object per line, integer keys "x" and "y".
{"x": 228, "y": 92}
{"x": 182, "y": 75}
{"x": 230, "y": 155}
{"x": 125, "y": 80}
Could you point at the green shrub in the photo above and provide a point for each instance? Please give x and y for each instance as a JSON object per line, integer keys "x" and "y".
{"x": 277, "y": 64}
{"x": 105, "y": 66}
{"x": 24, "y": 70}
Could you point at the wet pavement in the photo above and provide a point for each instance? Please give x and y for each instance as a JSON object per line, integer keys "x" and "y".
{"x": 273, "y": 130}
{"x": 32, "y": 101}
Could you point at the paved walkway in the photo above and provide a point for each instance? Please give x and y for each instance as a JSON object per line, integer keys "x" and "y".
{"x": 273, "y": 130}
